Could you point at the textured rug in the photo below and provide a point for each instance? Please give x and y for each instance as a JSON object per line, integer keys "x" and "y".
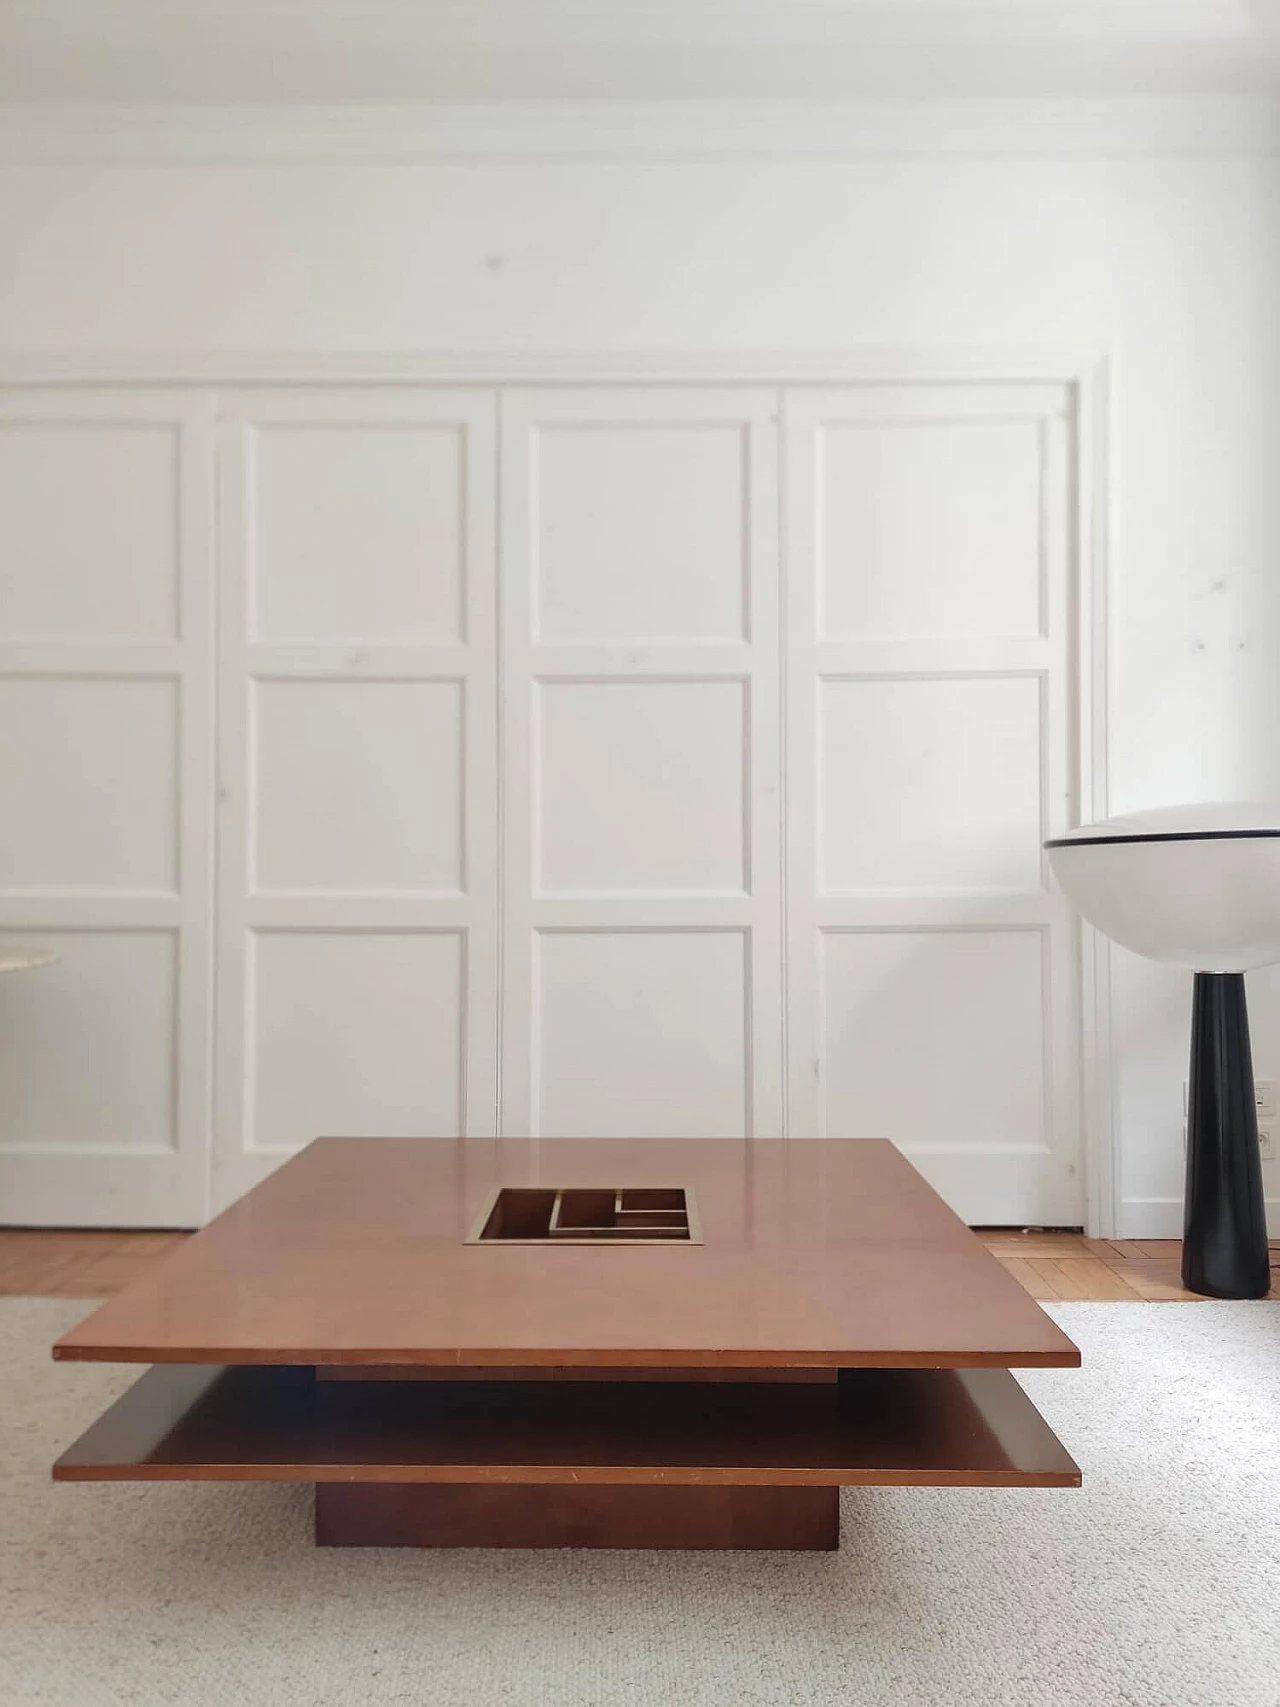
{"x": 1157, "y": 1585}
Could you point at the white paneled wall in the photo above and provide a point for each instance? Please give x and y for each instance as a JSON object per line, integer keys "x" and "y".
{"x": 1135, "y": 242}
{"x": 641, "y": 918}
{"x": 931, "y": 724}
{"x": 357, "y": 898}
{"x": 653, "y": 759}
{"x": 106, "y": 587}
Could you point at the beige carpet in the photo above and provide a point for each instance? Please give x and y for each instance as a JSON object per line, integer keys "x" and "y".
{"x": 1158, "y": 1585}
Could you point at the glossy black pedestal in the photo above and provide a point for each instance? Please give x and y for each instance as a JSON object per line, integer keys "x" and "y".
{"x": 1224, "y": 1247}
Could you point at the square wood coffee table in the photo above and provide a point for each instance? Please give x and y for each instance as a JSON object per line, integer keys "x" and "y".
{"x": 591, "y": 1343}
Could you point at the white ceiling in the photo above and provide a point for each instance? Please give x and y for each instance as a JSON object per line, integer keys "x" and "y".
{"x": 330, "y": 51}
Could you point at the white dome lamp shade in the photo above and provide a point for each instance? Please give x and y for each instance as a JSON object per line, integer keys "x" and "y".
{"x": 1198, "y": 886}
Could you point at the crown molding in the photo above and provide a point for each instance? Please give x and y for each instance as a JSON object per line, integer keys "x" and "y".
{"x": 1078, "y": 366}
{"x": 639, "y": 131}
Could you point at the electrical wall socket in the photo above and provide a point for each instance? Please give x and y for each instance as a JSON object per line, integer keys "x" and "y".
{"x": 1268, "y": 1142}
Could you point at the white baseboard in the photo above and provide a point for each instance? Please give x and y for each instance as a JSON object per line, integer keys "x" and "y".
{"x": 1161, "y": 1218}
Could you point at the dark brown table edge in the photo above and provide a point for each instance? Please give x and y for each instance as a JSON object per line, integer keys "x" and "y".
{"x": 572, "y": 1357}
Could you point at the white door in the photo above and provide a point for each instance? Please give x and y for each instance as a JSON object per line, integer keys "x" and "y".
{"x": 713, "y": 808}
{"x": 642, "y": 974}
{"x": 357, "y": 900}
{"x": 105, "y": 664}
{"x": 932, "y": 981}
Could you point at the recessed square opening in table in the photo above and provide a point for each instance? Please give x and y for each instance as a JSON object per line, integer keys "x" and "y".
{"x": 588, "y": 1215}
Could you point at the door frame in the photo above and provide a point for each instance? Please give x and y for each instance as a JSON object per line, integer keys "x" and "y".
{"x": 1083, "y": 371}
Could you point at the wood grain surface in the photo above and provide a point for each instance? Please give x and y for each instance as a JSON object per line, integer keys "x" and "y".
{"x": 902, "y": 1427}
{"x": 826, "y": 1253}
{"x": 1057, "y": 1266}
{"x": 386, "y": 1514}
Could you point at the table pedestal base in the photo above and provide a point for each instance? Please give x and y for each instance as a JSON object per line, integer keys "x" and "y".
{"x": 416, "y": 1514}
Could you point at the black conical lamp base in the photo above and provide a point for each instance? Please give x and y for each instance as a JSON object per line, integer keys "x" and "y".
{"x": 1224, "y": 1246}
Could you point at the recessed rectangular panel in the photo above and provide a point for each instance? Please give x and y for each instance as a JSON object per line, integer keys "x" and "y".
{"x": 356, "y": 1031}
{"x": 640, "y": 531}
{"x": 641, "y": 1033}
{"x": 359, "y": 532}
{"x": 930, "y": 783}
{"x": 358, "y": 786}
{"x": 936, "y": 1038}
{"x": 87, "y": 1045}
{"x": 641, "y": 786}
{"x": 929, "y": 528}
{"x": 90, "y": 514}
{"x": 586, "y": 1215}
{"x": 88, "y": 784}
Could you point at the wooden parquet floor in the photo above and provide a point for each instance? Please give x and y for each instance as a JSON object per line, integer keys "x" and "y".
{"x": 1067, "y": 1266}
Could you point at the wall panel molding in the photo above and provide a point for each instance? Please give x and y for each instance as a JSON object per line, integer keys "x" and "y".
{"x": 357, "y": 788}
{"x": 640, "y": 789}
{"x": 336, "y": 389}
{"x": 108, "y": 859}
{"x": 918, "y": 791}
{"x": 914, "y": 364}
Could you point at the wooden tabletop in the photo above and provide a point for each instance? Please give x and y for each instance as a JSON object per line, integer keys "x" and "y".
{"x": 818, "y": 1252}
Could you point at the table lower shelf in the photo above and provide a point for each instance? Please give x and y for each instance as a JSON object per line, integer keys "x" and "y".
{"x": 574, "y": 1464}
{"x": 938, "y": 1427}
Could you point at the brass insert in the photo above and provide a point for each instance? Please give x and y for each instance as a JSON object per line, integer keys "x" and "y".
{"x": 588, "y": 1215}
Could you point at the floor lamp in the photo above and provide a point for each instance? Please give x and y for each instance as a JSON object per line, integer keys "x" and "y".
{"x": 1199, "y": 887}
